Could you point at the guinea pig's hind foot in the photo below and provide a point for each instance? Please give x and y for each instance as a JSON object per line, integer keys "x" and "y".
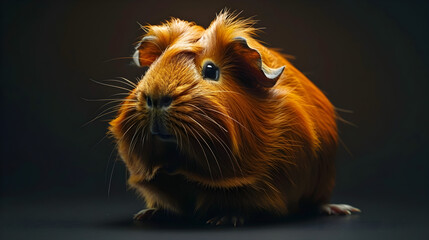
{"x": 226, "y": 220}
{"x": 145, "y": 214}
{"x": 338, "y": 209}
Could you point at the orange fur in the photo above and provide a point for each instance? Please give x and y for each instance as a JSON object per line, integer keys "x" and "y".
{"x": 241, "y": 146}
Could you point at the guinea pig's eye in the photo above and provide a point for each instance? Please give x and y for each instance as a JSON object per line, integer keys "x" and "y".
{"x": 210, "y": 71}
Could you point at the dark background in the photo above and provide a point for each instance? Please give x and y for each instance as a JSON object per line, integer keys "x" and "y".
{"x": 59, "y": 178}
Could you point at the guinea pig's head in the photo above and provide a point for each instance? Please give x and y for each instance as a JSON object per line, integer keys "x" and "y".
{"x": 199, "y": 106}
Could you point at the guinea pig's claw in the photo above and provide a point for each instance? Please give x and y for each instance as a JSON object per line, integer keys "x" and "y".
{"x": 145, "y": 214}
{"x": 226, "y": 220}
{"x": 338, "y": 209}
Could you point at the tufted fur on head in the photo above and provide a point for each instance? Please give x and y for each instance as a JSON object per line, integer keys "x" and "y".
{"x": 262, "y": 126}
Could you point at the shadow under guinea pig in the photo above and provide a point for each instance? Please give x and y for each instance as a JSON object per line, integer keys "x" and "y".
{"x": 170, "y": 222}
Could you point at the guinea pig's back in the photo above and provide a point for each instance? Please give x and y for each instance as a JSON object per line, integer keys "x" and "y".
{"x": 319, "y": 120}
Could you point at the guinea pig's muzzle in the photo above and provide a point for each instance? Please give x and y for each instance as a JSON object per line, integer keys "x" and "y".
{"x": 158, "y": 127}
{"x": 159, "y": 130}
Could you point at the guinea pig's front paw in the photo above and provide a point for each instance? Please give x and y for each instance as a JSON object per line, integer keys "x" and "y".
{"x": 226, "y": 220}
{"x": 146, "y": 214}
{"x": 338, "y": 209}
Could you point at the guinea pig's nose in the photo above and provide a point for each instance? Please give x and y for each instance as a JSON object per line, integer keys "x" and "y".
{"x": 149, "y": 102}
{"x": 163, "y": 101}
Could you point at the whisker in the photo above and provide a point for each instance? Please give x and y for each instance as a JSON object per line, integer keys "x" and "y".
{"x": 131, "y": 147}
{"x": 204, "y": 129}
{"x": 129, "y": 81}
{"x": 233, "y": 119}
{"x": 207, "y": 116}
{"x": 140, "y": 129}
{"x": 117, "y": 106}
{"x": 228, "y": 151}
{"x": 109, "y": 99}
{"x": 108, "y": 161}
{"x": 111, "y": 176}
{"x": 222, "y": 143}
{"x": 207, "y": 161}
{"x": 126, "y": 104}
{"x": 343, "y": 110}
{"x": 125, "y": 133}
{"x": 178, "y": 145}
{"x": 187, "y": 136}
{"x": 120, "y": 94}
{"x": 345, "y": 146}
{"x": 129, "y": 84}
{"x": 95, "y": 145}
{"x": 346, "y": 122}
{"x": 129, "y": 118}
{"x": 143, "y": 136}
{"x": 118, "y": 58}
{"x": 102, "y": 114}
{"x": 186, "y": 132}
{"x": 113, "y": 86}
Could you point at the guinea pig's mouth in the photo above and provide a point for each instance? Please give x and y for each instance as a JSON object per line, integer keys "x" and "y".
{"x": 170, "y": 168}
{"x": 165, "y": 137}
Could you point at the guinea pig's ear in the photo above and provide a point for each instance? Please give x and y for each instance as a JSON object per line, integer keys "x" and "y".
{"x": 147, "y": 51}
{"x": 252, "y": 59}
{"x": 158, "y": 38}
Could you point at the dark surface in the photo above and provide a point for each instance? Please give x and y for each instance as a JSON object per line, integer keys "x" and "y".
{"x": 60, "y": 180}
{"x": 110, "y": 218}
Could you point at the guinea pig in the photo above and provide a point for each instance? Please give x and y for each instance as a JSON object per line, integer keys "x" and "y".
{"x": 221, "y": 128}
